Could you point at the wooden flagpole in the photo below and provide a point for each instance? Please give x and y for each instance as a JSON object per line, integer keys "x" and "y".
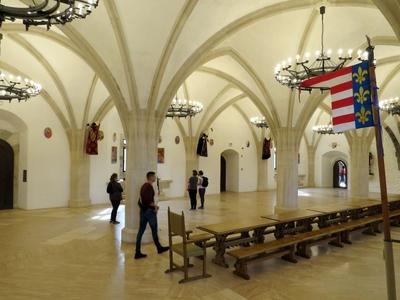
{"x": 388, "y": 243}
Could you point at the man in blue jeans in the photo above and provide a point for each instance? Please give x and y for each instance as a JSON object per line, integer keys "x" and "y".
{"x": 148, "y": 214}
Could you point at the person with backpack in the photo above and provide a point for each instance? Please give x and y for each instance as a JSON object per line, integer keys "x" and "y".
{"x": 203, "y": 184}
{"x": 114, "y": 189}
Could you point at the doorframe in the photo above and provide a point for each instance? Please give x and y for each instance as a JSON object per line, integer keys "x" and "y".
{"x": 9, "y": 202}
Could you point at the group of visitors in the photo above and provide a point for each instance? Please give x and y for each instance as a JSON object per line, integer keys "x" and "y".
{"x": 197, "y": 183}
{"x": 148, "y": 210}
{"x": 148, "y": 207}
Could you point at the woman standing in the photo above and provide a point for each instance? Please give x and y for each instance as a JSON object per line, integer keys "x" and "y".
{"x": 192, "y": 189}
{"x": 114, "y": 189}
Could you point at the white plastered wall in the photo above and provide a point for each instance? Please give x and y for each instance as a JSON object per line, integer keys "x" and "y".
{"x": 46, "y": 160}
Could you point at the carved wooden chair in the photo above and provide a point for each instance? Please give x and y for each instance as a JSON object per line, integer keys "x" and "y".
{"x": 191, "y": 246}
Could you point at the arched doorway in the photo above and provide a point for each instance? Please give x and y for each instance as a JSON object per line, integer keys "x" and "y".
{"x": 6, "y": 175}
{"x": 229, "y": 171}
{"x": 223, "y": 175}
{"x": 340, "y": 174}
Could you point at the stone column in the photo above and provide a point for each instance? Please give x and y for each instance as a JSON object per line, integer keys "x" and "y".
{"x": 192, "y": 159}
{"x": 262, "y": 178}
{"x": 142, "y": 144}
{"x": 311, "y": 165}
{"x": 80, "y": 169}
{"x": 287, "y": 148}
{"x": 359, "y": 167}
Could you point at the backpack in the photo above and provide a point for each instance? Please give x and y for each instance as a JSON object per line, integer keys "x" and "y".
{"x": 205, "y": 182}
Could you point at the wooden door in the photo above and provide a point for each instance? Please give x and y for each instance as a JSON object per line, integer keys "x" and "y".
{"x": 6, "y": 175}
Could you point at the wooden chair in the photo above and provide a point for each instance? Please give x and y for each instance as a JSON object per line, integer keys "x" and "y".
{"x": 191, "y": 246}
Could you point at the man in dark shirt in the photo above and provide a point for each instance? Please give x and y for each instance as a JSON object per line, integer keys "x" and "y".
{"x": 148, "y": 214}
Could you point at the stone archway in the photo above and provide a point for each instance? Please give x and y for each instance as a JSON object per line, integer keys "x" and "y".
{"x": 231, "y": 159}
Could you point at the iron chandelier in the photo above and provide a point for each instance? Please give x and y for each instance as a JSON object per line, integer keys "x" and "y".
{"x": 391, "y": 106}
{"x": 182, "y": 108}
{"x": 324, "y": 129}
{"x": 259, "y": 122}
{"x": 15, "y": 87}
{"x": 292, "y": 72}
{"x": 47, "y": 12}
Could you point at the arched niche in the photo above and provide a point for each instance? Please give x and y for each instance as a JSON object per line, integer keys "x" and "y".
{"x": 230, "y": 161}
{"x": 328, "y": 160}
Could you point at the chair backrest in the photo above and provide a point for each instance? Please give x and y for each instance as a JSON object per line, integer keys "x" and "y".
{"x": 176, "y": 224}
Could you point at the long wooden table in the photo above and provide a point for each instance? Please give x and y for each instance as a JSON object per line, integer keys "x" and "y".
{"x": 292, "y": 222}
{"x": 222, "y": 231}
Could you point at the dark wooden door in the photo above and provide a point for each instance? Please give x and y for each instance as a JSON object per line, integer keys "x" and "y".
{"x": 223, "y": 174}
{"x": 6, "y": 175}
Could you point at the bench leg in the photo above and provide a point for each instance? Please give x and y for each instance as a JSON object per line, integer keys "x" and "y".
{"x": 303, "y": 250}
{"x": 290, "y": 256}
{"x": 241, "y": 269}
{"x": 337, "y": 242}
{"x": 346, "y": 237}
{"x": 369, "y": 231}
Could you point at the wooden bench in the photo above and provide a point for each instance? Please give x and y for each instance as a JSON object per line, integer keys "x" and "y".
{"x": 286, "y": 247}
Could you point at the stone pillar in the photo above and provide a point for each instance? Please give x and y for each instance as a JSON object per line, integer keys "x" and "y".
{"x": 359, "y": 167}
{"x": 287, "y": 148}
{"x": 192, "y": 159}
{"x": 262, "y": 178}
{"x": 311, "y": 166}
{"x": 80, "y": 169}
{"x": 142, "y": 144}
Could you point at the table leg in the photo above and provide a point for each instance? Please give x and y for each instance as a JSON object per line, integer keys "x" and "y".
{"x": 259, "y": 235}
{"x": 245, "y": 235}
{"x": 220, "y": 248}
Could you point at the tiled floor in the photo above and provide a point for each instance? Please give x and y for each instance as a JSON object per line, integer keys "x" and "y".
{"x": 77, "y": 254}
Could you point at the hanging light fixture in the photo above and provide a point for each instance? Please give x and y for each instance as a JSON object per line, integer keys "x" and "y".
{"x": 391, "y": 105}
{"x": 324, "y": 129}
{"x": 260, "y": 122}
{"x": 182, "y": 108}
{"x": 293, "y": 71}
{"x": 17, "y": 88}
{"x": 47, "y": 12}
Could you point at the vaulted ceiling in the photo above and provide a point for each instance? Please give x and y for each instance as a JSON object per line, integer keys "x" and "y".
{"x": 136, "y": 55}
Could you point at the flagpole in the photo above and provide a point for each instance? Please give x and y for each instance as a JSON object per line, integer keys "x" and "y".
{"x": 388, "y": 245}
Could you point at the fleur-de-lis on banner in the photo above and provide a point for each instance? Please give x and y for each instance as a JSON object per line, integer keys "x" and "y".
{"x": 360, "y": 75}
{"x": 362, "y": 115}
{"x": 361, "y": 96}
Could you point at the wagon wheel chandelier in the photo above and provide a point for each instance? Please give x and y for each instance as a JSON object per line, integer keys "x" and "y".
{"x": 17, "y": 88}
{"x": 182, "y": 108}
{"x": 259, "y": 122}
{"x": 391, "y": 105}
{"x": 47, "y": 12}
{"x": 292, "y": 72}
{"x": 324, "y": 129}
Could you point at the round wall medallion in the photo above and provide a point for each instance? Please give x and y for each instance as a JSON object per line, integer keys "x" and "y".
{"x": 211, "y": 142}
{"x": 177, "y": 140}
{"x": 48, "y": 133}
{"x": 114, "y": 137}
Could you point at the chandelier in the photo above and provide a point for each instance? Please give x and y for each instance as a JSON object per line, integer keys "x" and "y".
{"x": 259, "y": 122}
{"x": 47, "y": 12}
{"x": 324, "y": 129}
{"x": 15, "y": 87}
{"x": 392, "y": 105}
{"x": 182, "y": 108}
{"x": 292, "y": 72}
